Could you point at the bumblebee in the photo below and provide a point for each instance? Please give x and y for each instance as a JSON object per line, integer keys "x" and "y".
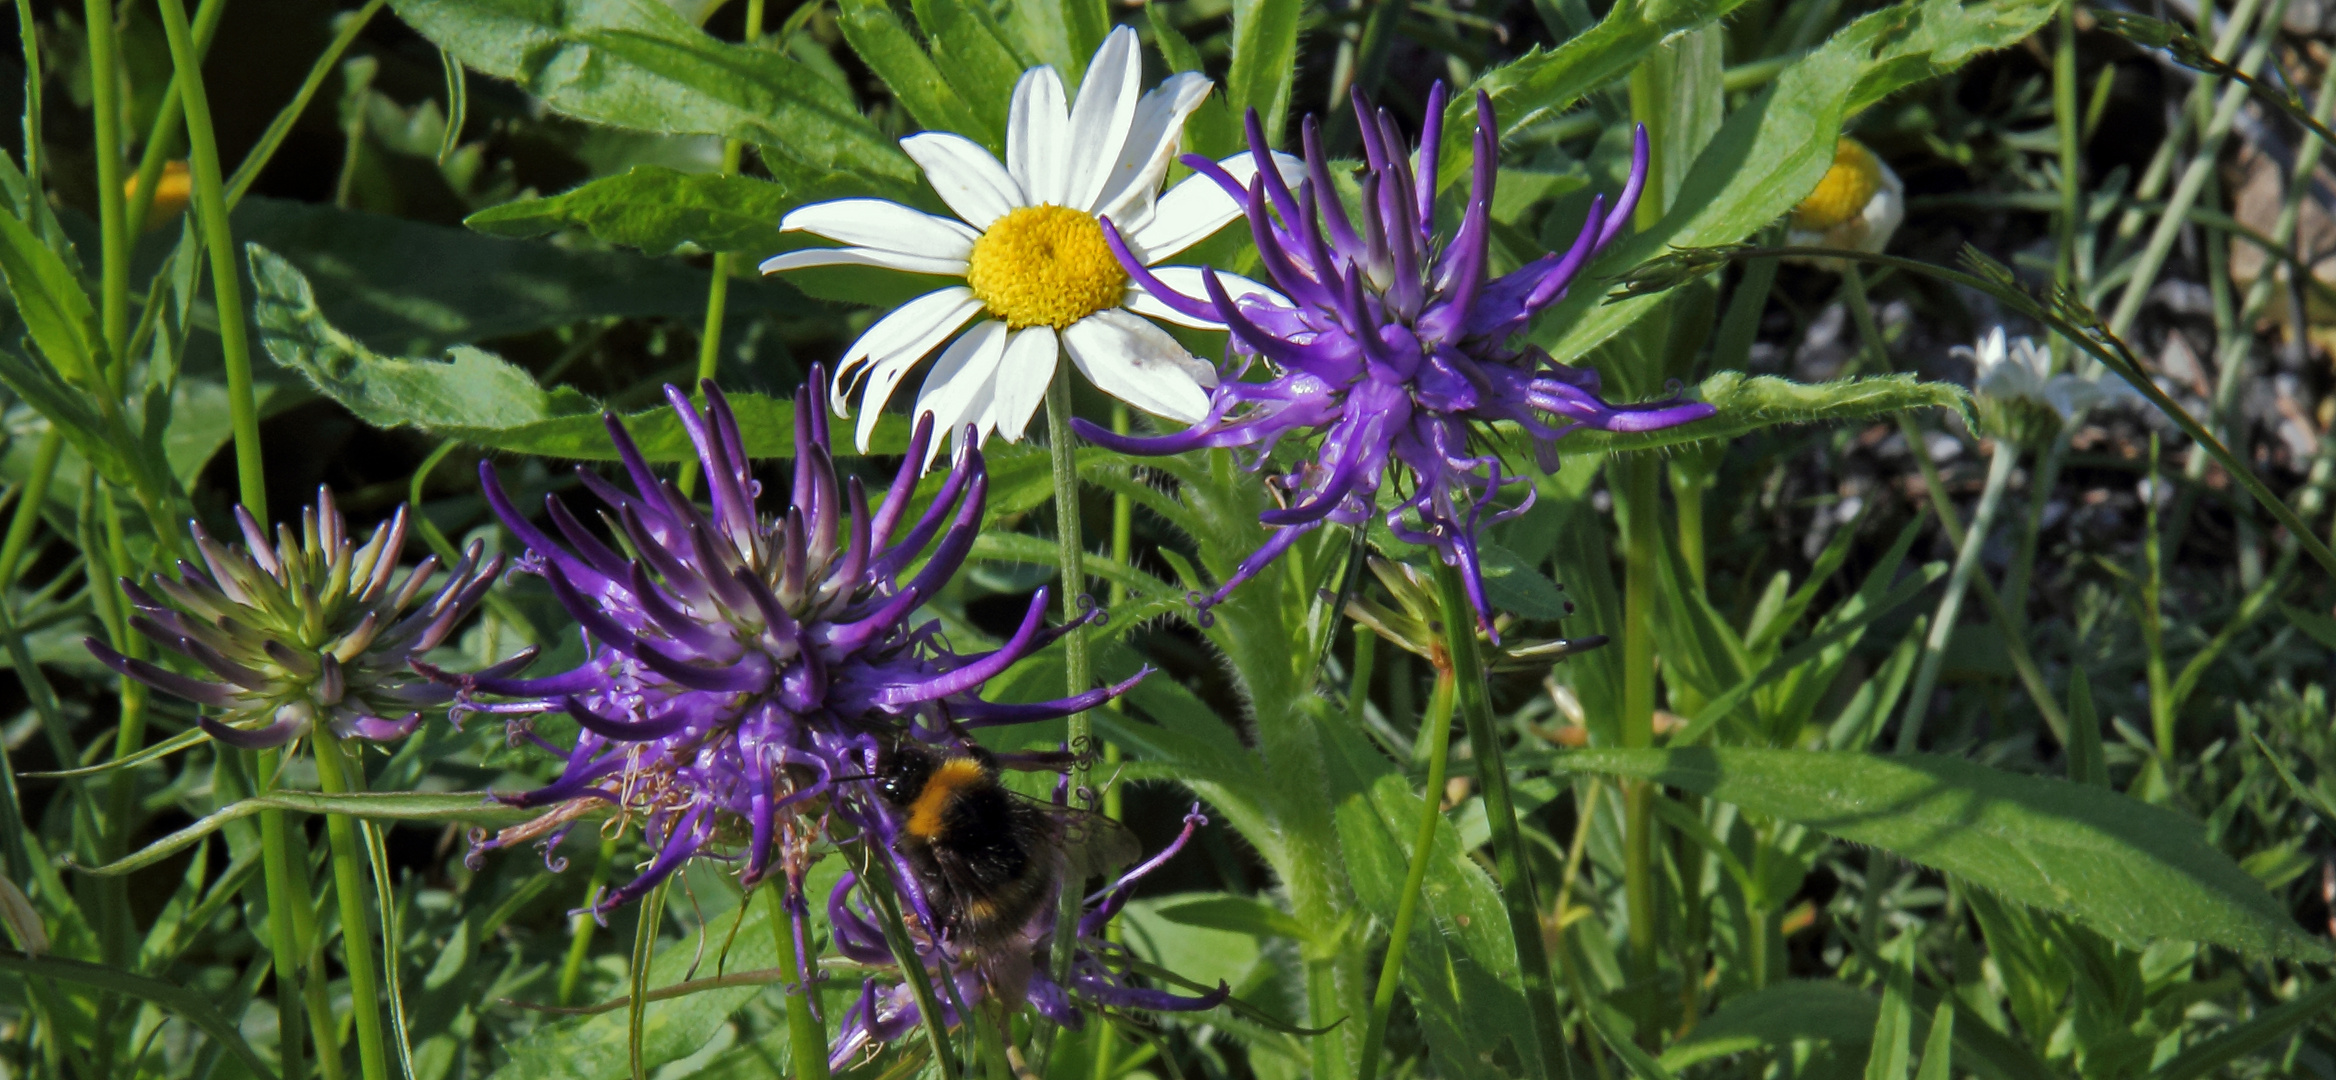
{"x": 988, "y": 858}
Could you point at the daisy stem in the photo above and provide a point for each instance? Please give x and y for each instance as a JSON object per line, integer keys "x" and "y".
{"x": 806, "y": 1042}
{"x": 725, "y": 266}
{"x": 1438, "y": 729}
{"x": 338, "y": 774}
{"x": 1508, "y": 847}
{"x": 1071, "y": 549}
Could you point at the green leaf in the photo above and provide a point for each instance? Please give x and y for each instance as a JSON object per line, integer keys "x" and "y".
{"x": 2267, "y": 1028}
{"x": 637, "y": 64}
{"x": 1265, "y": 61}
{"x": 417, "y": 288}
{"x": 596, "y": 1047}
{"x": 1513, "y": 585}
{"x": 1771, "y": 153}
{"x": 1543, "y": 82}
{"x": 478, "y": 398}
{"x": 1749, "y": 403}
{"x": 1776, "y": 1016}
{"x": 55, "y": 310}
{"x": 971, "y": 52}
{"x": 1892, "y": 1050}
{"x": 188, "y": 1002}
{"x": 655, "y": 209}
{"x": 1938, "y": 1051}
{"x": 887, "y": 47}
{"x": 2136, "y": 872}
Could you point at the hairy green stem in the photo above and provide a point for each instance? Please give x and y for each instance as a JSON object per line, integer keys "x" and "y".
{"x": 806, "y": 1041}
{"x": 1437, "y": 729}
{"x": 226, "y": 281}
{"x": 1077, "y": 672}
{"x": 339, "y": 775}
{"x": 1516, "y": 875}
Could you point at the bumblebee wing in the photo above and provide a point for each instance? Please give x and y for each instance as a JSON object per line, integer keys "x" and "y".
{"x": 1094, "y": 845}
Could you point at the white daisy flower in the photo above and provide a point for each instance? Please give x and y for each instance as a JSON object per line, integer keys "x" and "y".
{"x": 1039, "y": 277}
{"x": 2017, "y": 370}
{"x": 1857, "y": 205}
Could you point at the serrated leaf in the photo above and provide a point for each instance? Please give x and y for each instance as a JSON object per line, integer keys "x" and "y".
{"x": 480, "y": 399}
{"x": 1514, "y": 586}
{"x": 637, "y": 64}
{"x": 55, "y": 310}
{"x": 2134, "y": 871}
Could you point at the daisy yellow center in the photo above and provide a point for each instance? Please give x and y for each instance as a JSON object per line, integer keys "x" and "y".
{"x": 1850, "y": 184}
{"x": 1044, "y": 266}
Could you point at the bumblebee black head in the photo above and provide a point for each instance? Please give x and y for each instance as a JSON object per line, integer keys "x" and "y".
{"x": 901, "y": 773}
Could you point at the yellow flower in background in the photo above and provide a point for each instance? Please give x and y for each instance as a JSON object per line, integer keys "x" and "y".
{"x": 1857, "y": 205}
{"x": 172, "y": 191}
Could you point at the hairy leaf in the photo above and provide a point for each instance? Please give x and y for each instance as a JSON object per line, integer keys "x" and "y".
{"x": 1748, "y": 403}
{"x": 2136, "y": 872}
{"x": 637, "y": 64}
{"x": 477, "y": 397}
{"x": 417, "y": 288}
{"x": 655, "y": 209}
{"x": 472, "y": 807}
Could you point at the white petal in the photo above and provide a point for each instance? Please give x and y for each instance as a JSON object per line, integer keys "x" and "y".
{"x": 1101, "y": 117}
{"x": 967, "y": 177}
{"x": 894, "y": 345}
{"x": 1038, "y": 136}
{"x": 1188, "y": 280}
{"x": 1196, "y": 207}
{"x": 1138, "y": 363}
{"x": 958, "y": 387}
{"x": 1159, "y": 125}
{"x": 885, "y": 226}
{"x": 1022, "y": 378}
{"x": 890, "y": 260}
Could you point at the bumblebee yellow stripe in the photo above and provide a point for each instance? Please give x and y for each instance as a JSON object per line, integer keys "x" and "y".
{"x": 953, "y": 775}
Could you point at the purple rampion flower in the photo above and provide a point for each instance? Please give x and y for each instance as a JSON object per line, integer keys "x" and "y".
{"x": 1391, "y": 345}
{"x": 741, "y": 666}
{"x": 1014, "y": 973}
{"x": 306, "y": 628}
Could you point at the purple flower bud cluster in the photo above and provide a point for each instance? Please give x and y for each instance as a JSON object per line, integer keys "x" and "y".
{"x": 1392, "y": 345}
{"x": 747, "y": 675}
{"x": 306, "y": 628}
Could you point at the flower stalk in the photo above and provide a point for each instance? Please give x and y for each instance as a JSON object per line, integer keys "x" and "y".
{"x": 1642, "y": 549}
{"x": 1071, "y": 550}
{"x": 226, "y": 280}
{"x": 806, "y": 1036}
{"x": 1516, "y": 876}
{"x": 1437, "y": 730}
{"x": 339, "y": 774}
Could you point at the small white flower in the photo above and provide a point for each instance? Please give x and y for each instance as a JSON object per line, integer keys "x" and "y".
{"x": 1039, "y": 276}
{"x": 2017, "y": 370}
